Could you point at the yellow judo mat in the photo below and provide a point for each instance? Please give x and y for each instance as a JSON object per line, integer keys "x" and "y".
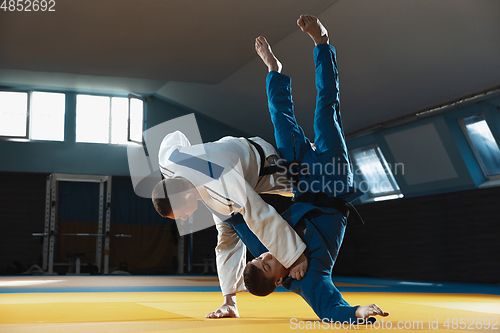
{"x": 173, "y": 311}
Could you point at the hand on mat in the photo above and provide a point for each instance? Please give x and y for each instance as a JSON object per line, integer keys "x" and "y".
{"x": 225, "y": 310}
{"x": 299, "y": 268}
{"x": 370, "y": 310}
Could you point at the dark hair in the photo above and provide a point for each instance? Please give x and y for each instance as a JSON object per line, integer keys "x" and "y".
{"x": 256, "y": 282}
{"x": 160, "y": 197}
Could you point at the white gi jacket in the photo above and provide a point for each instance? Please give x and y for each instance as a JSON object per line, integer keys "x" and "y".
{"x": 234, "y": 190}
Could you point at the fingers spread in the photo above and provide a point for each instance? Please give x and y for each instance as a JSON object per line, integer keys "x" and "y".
{"x": 376, "y": 310}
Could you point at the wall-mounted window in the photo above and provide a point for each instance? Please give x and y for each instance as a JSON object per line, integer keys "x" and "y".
{"x": 32, "y": 115}
{"x": 376, "y": 174}
{"x": 47, "y": 116}
{"x": 103, "y": 119}
{"x": 14, "y": 114}
{"x": 483, "y": 144}
{"x": 136, "y": 123}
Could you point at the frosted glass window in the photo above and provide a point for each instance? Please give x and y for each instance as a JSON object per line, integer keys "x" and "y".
{"x": 119, "y": 120}
{"x": 375, "y": 171}
{"x": 13, "y": 113}
{"x": 483, "y": 143}
{"x": 92, "y": 118}
{"x": 136, "y": 119}
{"x": 47, "y": 116}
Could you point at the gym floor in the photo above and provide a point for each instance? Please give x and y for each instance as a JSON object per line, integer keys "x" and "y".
{"x": 179, "y": 304}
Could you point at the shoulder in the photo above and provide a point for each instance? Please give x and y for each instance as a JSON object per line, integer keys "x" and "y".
{"x": 176, "y": 138}
{"x": 169, "y": 143}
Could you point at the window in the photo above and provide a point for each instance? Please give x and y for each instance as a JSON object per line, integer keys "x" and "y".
{"x": 92, "y": 118}
{"x": 377, "y": 176}
{"x": 14, "y": 114}
{"x": 483, "y": 144}
{"x": 47, "y": 116}
{"x": 119, "y": 120}
{"x": 103, "y": 119}
{"x": 36, "y": 115}
{"x": 136, "y": 115}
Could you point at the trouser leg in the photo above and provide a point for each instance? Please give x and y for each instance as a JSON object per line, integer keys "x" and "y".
{"x": 288, "y": 134}
{"x": 329, "y": 134}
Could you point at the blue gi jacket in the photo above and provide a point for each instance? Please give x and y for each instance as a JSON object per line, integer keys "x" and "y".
{"x": 323, "y": 236}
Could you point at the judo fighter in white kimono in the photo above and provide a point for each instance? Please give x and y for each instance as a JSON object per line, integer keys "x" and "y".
{"x": 224, "y": 175}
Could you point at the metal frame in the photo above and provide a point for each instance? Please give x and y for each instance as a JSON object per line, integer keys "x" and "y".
{"x": 51, "y": 209}
{"x": 107, "y": 226}
{"x": 180, "y": 246}
{"x": 180, "y": 255}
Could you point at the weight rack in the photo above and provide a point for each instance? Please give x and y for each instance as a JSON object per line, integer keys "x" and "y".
{"x": 51, "y": 209}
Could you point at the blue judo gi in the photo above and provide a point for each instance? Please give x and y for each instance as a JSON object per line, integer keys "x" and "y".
{"x": 327, "y": 170}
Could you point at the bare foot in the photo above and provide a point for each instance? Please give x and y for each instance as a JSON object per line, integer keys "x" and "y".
{"x": 264, "y": 51}
{"x": 313, "y": 27}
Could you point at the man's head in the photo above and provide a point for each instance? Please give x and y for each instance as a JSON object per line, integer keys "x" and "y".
{"x": 263, "y": 274}
{"x": 178, "y": 202}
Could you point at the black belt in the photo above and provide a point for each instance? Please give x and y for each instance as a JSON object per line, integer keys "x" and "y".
{"x": 321, "y": 199}
{"x": 261, "y": 154}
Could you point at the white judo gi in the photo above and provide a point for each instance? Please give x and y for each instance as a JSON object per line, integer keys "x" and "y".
{"x": 229, "y": 182}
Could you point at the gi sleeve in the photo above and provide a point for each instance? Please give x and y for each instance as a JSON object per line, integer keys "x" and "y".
{"x": 271, "y": 229}
{"x": 318, "y": 290}
{"x": 174, "y": 139}
{"x": 230, "y": 255}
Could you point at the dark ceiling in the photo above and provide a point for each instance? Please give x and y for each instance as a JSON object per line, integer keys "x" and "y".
{"x": 395, "y": 57}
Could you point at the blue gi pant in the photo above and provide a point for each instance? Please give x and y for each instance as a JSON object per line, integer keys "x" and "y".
{"x": 329, "y": 165}
{"x": 325, "y": 226}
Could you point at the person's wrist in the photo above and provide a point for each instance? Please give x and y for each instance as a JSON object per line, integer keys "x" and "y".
{"x": 298, "y": 261}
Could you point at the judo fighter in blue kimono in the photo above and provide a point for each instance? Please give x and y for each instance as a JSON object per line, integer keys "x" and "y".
{"x": 322, "y": 184}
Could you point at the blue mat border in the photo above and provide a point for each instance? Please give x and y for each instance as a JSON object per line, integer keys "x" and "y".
{"x": 373, "y": 286}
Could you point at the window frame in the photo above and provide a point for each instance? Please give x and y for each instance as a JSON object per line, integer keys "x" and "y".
{"x": 396, "y": 192}
{"x": 28, "y": 118}
{"x": 466, "y": 134}
{"x": 76, "y": 117}
{"x": 130, "y": 97}
{"x": 29, "y": 100}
